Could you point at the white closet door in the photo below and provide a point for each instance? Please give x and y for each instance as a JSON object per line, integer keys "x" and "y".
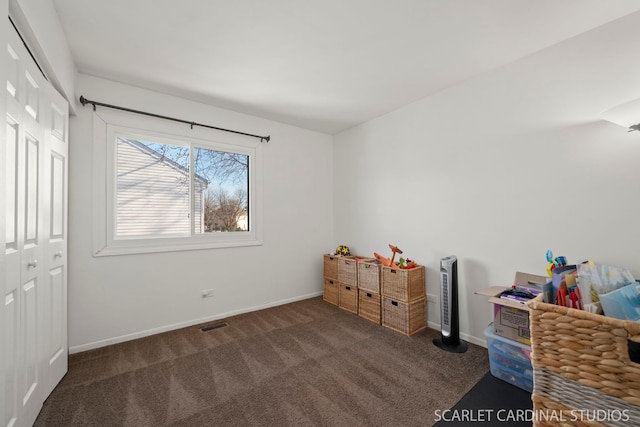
{"x": 55, "y": 315}
{"x": 35, "y": 287}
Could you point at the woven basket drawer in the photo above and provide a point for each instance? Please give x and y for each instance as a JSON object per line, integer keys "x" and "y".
{"x": 330, "y": 269}
{"x": 405, "y": 317}
{"x": 331, "y": 291}
{"x": 347, "y": 270}
{"x": 403, "y": 285}
{"x": 348, "y": 298}
{"x": 370, "y": 306}
{"x": 369, "y": 275}
{"x": 581, "y": 365}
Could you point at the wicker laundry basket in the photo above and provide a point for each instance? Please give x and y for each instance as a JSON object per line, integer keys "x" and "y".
{"x": 582, "y": 372}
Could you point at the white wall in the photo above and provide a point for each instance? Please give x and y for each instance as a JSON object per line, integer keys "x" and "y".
{"x": 512, "y": 161}
{"x": 122, "y": 297}
{"x": 501, "y": 168}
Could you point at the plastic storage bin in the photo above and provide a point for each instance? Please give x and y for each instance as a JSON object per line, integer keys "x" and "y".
{"x": 510, "y": 360}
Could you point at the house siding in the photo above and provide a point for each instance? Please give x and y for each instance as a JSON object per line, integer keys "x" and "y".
{"x": 152, "y": 195}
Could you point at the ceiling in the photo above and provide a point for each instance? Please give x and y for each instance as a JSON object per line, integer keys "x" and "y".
{"x": 324, "y": 65}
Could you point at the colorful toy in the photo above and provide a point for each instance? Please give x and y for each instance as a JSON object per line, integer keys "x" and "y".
{"x": 404, "y": 264}
{"x": 343, "y": 250}
{"x": 395, "y": 250}
{"x": 384, "y": 260}
{"x": 554, "y": 262}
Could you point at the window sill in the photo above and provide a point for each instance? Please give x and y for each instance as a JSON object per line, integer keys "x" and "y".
{"x": 138, "y": 247}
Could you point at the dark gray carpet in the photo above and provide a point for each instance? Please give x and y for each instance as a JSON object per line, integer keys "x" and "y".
{"x": 305, "y": 363}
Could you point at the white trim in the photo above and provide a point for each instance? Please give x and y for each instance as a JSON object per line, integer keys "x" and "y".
{"x": 167, "y": 328}
{"x": 465, "y": 337}
{"x": 173, "y": 327}
{"x": 108, "y": 124}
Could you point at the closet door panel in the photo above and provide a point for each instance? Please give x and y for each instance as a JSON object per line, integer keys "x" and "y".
{"x": 56, "y": 248}
{"x": 11, "y": 286}
{"x": 14, "y": 224}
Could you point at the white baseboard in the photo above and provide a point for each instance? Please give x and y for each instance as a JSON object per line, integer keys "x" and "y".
{"x": 465, "y": 337}
{"x": 142, "y": 334}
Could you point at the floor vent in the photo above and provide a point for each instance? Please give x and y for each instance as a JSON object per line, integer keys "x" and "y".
{"x": 213, "y": 326}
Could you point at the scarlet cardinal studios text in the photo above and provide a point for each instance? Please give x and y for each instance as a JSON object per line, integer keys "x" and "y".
{"x": 511, "y": 415}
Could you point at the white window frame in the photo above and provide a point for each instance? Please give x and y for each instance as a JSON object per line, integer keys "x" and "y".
{"x": 107, "y": 125}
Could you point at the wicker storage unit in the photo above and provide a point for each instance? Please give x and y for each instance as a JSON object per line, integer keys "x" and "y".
{"x": 369, "y": 306}
{"x": 347, "y": 270}
{"x": 403, "y": 285}
{"x": 581, "y": 365}
{"x": 369, "y": 275}
{"x": 405, "y": 317}
{"x": 348, "y": 299}
{"x": 330, "y": 267}
{"x": 331, "y": 291}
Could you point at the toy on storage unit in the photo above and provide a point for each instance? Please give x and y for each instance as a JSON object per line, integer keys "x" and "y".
{"x": 384, "y": 261}
{"x": 343, "y": 250}
{"x": 406, "y": 264}
{"x": 402, "y": 263}
{"x": 395, "y": 250}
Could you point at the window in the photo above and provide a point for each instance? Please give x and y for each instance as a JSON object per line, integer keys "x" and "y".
{"x": 160, "y": 188}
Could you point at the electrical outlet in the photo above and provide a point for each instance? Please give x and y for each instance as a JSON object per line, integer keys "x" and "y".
{"x": 432, "y": 299}
{"x": 207, "y": 293}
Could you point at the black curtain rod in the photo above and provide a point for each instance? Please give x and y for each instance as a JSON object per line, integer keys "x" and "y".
{"x": 28, "y": 50}
{"x": 85, "y": 101}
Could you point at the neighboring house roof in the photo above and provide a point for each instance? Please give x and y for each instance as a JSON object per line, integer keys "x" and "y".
{"x": 162, "y": 158}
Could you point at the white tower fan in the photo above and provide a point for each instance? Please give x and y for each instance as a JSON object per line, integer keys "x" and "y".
{"x": 449, "y": 339}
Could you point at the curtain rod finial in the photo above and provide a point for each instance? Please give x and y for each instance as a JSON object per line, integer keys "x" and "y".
{"x": 84, "y": 101}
